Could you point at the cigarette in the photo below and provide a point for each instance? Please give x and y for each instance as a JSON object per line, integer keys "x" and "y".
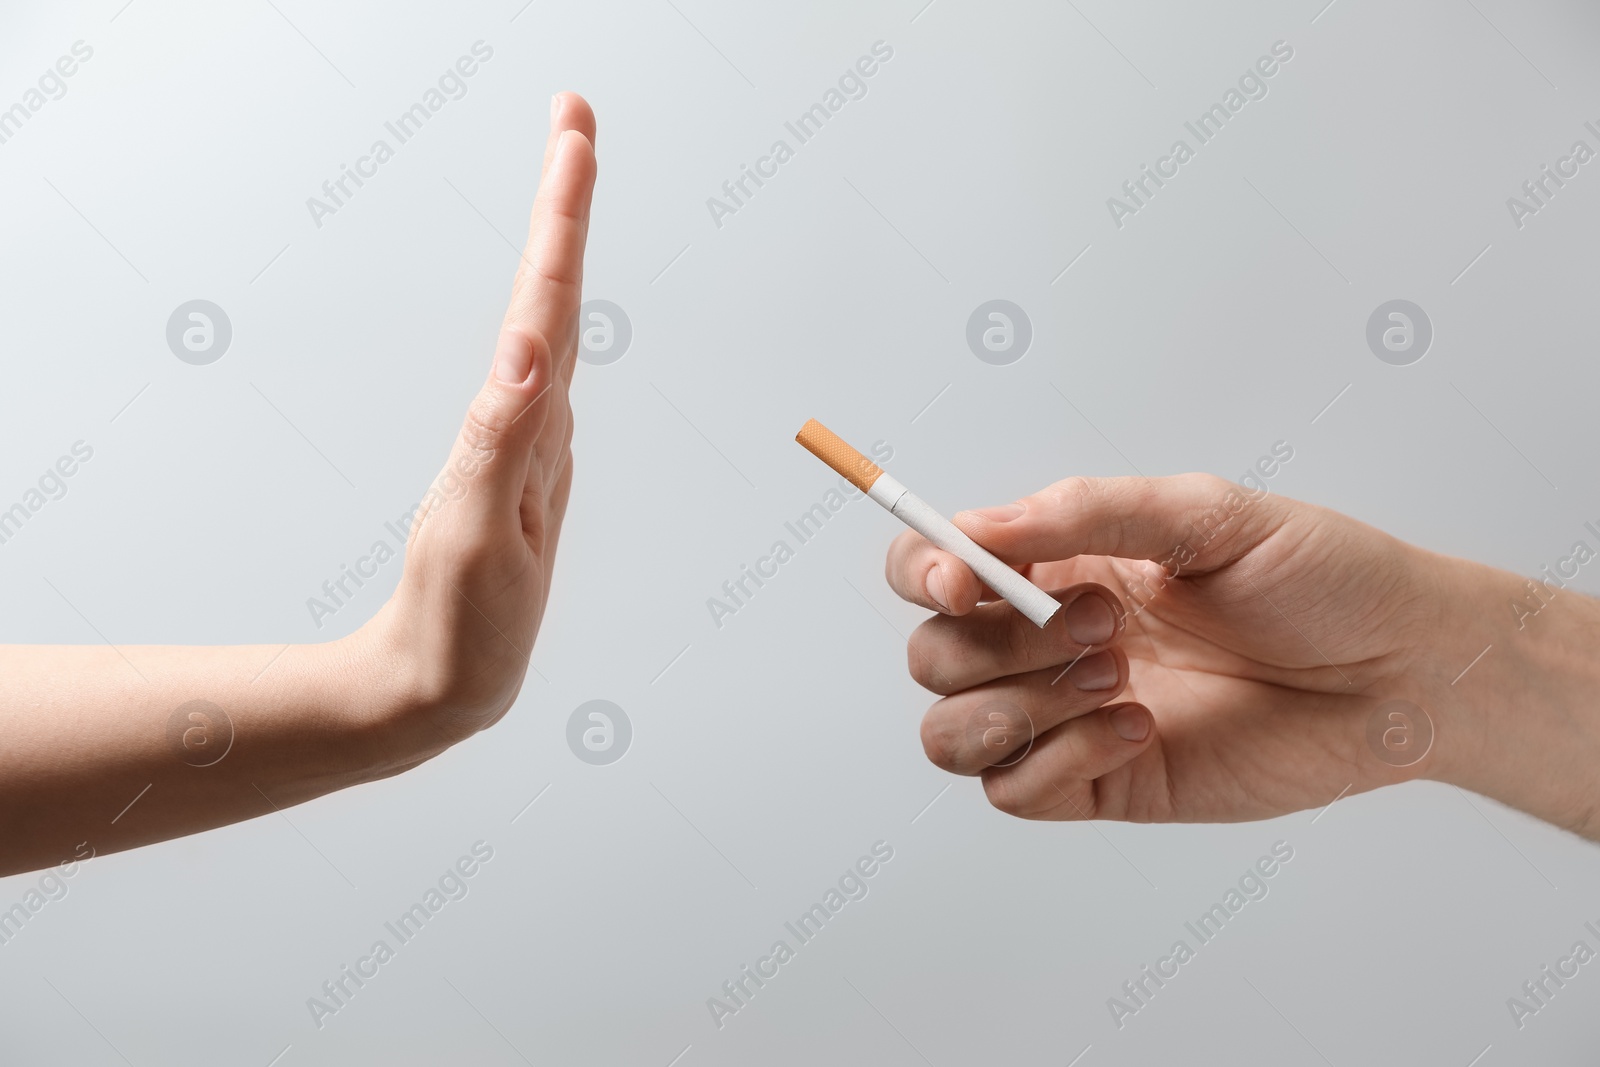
{"x": 910, "y": 509}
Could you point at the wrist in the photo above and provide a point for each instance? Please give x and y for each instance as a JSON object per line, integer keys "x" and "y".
{"x": 1511, "y": 678}
{"x": 390, "y": 719}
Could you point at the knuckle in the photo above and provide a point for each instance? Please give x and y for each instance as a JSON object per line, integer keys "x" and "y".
{"x": 1006, "y": 794}
{"x": 1075, "y": 494}
{"x": 946, "y": 653}
{"x": 1011, "y": 644}
{"x": 1206, "y": 486}
{"x": 1068, "y": 752}
{"x": 922, "y": 653}
{"x": 1212, "y": 503}
{"x": 563, "y": 209}
{"x": 480, "y": 556}
{"x": 899, "y": 563}
{"x": 901, "y": 547}
{"x": 939, "y": 743}
{"x": 560, "y": 275}
{"x": 485, "y": 428}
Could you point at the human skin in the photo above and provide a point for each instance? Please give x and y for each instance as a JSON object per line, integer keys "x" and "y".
{"x": 1243, "y": 685}
{"x": 87, "y": 727}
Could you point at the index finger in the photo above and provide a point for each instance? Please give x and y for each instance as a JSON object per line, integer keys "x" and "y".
{"x": 1192, "y": 522}
{"x": 931, "y": 577}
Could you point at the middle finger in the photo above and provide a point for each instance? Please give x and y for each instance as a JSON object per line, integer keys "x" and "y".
{"x": 948, "y": 653}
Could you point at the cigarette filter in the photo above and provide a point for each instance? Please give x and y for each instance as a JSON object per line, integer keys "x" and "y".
{"x": 910, "y": 509}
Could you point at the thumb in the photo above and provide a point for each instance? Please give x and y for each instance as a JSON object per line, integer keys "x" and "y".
{"x": 1196, "y": 521}
{"x": 487, "y": 472}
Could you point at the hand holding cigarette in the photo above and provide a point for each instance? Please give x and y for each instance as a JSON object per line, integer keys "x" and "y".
{"x": 1276, "y": 655}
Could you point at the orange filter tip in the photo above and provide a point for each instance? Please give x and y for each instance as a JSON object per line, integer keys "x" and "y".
{"x": 827, "y": 446}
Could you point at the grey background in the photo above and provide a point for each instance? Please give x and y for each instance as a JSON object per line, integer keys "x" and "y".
{"x": 770, "y": 753}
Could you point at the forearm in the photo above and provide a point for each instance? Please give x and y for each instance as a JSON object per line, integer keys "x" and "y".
{"x": 1522, "y": 725}
{"x": 124, "y": 747}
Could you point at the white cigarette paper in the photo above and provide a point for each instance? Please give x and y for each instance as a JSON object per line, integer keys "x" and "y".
{"x": 1040, "y": 607}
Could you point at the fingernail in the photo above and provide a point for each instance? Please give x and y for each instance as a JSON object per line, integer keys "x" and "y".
{"x": 555, "y": 108}
{"x": 1131, "y": 724}
{"x": 1090, "y": 620}
{"x": 999, "y": 513}
{"x": 936, "y": 588}
{"x": 1095, "y": 672}
{"x": 513, "y": 358}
